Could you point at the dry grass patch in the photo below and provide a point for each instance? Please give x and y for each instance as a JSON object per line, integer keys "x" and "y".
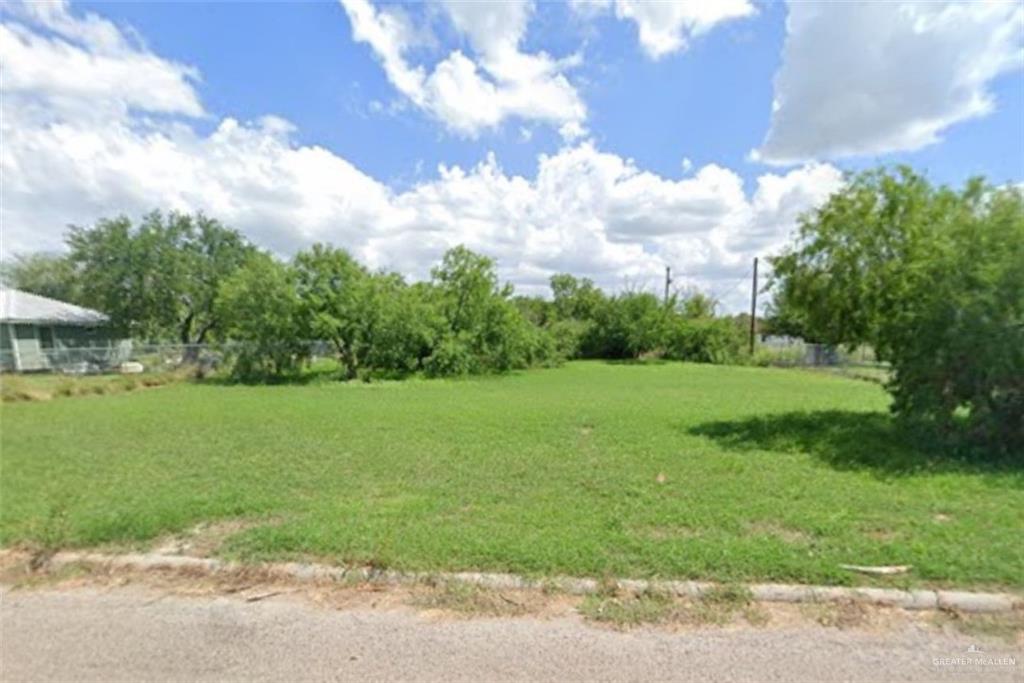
{"x": 45, "y": 387}
{"x": 471, "y": 600}
{"x": 207, "y": 539}
{"x": 720, "y": 606}
{"x": 776, "y": 530}
{"x": 842, "y": 615}
{"x": 1008, "y": 627}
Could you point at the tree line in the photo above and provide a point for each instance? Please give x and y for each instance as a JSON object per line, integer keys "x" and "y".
{"x": 189, "y": 279}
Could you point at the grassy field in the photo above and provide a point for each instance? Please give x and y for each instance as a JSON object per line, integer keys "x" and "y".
{"x": 593, "y": 469}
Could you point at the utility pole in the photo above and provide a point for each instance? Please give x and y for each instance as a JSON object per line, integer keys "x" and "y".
{"x": 753, "y": 308}
{"x": 668, "y": 282}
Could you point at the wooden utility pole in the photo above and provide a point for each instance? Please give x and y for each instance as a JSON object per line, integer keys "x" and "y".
{"x": 753, "y": 309}
{"x": 668, "y": 282}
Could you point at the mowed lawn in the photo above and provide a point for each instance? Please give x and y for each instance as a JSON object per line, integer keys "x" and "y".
{"x": 593, "y": 469}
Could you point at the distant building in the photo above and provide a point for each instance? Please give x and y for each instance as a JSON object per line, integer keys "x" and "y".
{"x": 37, "y": 333}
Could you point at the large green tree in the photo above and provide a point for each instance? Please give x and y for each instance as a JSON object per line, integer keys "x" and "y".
{"x": 339, "y": 299}
{"x": 933, "y": 279}
{"x": 260, "y": 311}
{"x": 159, "y": 279}
{"x": 484, "y": 330}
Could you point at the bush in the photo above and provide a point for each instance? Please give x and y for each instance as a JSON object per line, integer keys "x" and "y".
{"x": 627, "y": 326}
{"x": 451, "y": 357}
{"x": 260, "y": 308}
{"x": 568, "y": 336}
{"x": 933, "y": 280}
{"x": 704, "y": 340}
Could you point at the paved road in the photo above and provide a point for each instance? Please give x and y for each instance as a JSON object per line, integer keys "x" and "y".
{"x": 135, "y": 634}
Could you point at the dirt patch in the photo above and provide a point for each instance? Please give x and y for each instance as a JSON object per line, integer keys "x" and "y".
{"x": 206, "y": 538}
{"x": 841, "y": 615}
{"x": 448, "y": 598}
{"x": 779, "y": 531}
{"x": 882, "y": 535}
{"x": 667, "y": 533}
{"x": 1008, "y": 628}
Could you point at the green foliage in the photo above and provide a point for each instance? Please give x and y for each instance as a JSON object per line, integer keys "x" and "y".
{"x": 160, "y": 279}
{"x": 588, "y": 324}
{"x": 405, "y": 326}
{"x": 49, "y": 275}
{"x": 569, "y": 336}
{"x": 339, "y": 299}
{"x": 575, "y": 298}
{"x": 933, "y": 280}
{"x": 451, "y": 357}
{"x": 261, "y": 309}
{"x": 628, "y": 326}
{"x": 704, "y": 340}
{"x": 482, "y": 319}
{"x": 697, "y": 306}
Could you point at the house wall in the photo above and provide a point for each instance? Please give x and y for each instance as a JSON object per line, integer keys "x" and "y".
{"x": 27, "y": 347}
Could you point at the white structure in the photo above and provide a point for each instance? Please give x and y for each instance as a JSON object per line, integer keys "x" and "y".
{"x": 38, "y": 333}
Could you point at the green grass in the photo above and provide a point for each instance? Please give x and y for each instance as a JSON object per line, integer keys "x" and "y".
{"x": 594, "y": 469}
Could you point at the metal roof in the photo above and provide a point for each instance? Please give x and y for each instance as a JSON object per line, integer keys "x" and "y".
{"x": 21, "y": 307}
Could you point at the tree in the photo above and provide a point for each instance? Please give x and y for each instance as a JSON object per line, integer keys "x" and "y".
{"x": 50, "y": 275}
{"x": 160, "y": 279}
{"x": 628, "y": 326}
{"x": 338, "y": 298}
{"x": 697, "y": 305}
{"x": 405, "y": 326}
{"x": 484, "y": 329}
{"x": 575, "y": 298}
{"x": 933, "y": 279}
{"x": 260, "y": 309}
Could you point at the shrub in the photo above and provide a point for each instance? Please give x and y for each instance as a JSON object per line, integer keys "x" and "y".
{"x": 568, "y": 337}
{"x": 933, "y": 280}
{"x": 451, "y": 357}
{"x": 704, "y": 340}
{"x": 627, "y": 326}
{"x": 260, "y": 308}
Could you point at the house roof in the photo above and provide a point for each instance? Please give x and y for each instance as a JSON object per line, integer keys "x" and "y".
{"x": 21, "y": 307}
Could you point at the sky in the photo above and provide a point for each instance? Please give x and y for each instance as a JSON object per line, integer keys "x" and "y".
{"x": 606, "y": 138}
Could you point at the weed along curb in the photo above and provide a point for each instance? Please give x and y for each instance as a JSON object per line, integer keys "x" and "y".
{"x": 922, "y": 599}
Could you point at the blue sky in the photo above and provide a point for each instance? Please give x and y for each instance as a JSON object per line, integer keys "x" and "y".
{"x": 711, "y": 104}
{"x": 652, "y": 114}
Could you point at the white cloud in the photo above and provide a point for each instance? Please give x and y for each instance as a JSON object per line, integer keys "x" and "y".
{"x": 585, "y": 211}
{"x": 467, "y": 95}
{"x": 871, "y": 78}
{"x": 87, "y": 67}
{"x": 667, "y": 27}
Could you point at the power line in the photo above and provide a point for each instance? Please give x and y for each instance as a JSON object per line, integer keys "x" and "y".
{"x": 717, "y": 296}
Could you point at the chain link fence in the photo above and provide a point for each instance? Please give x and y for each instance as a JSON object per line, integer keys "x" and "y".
{"x": 796, "y": 353}
{"x": 129, "y": 357}
{"x": 125, "y": 357}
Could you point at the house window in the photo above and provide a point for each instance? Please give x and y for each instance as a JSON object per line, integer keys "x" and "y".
{"x": 24, "y": 332}
{"x": 46, "y": 337}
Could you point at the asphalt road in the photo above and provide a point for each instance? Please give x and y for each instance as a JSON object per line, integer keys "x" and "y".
{"x": 137, "y": 634}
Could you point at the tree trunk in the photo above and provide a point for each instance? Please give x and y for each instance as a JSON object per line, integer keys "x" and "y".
{"x": 191, "y": 353}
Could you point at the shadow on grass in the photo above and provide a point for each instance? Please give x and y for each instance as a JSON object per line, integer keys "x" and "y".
{"x": 848, "y": 440}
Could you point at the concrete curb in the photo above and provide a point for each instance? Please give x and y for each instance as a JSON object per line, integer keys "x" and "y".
{"x": 764, "y": 592}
